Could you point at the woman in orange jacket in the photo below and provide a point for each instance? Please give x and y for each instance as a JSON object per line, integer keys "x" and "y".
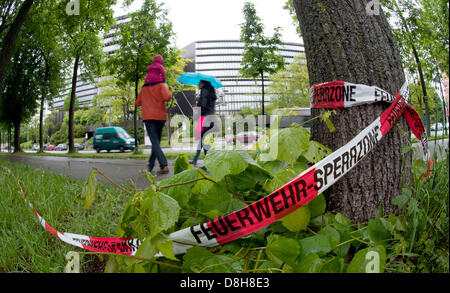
{"x": 154, "y": 115}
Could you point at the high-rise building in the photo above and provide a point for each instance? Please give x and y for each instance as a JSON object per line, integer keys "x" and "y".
{"x": 222, "y": 59}
{"x": 87, "y": 90}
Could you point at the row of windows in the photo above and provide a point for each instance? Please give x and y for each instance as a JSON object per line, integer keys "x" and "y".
{"x": 214, "y": 44}
{"x": 236, "y": 51}
{"x": 220, "y": 58}
{"x": 223, "y": 74}
{"x": 209, "y": 66}
{"x": 242, "y": 82}
{"x": 238, "y": 44}
{"x": 217, "y": 65}
{"x": 245, "y": 98}
{"x": 224, "y": 109}
{"x": 240, "y": 51}
{"x": 242, "y": 89}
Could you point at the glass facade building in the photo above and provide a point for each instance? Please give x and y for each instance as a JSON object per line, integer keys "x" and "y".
{"x": 87, "y": 90}
{"x": 222, "y": 59}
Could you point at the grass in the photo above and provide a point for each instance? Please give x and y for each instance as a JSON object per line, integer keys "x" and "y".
{"x": 25, "y": 245}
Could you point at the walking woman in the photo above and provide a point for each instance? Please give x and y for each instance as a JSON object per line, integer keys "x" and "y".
{"x": 154, "y": 114}
{"x": 207, "y": 103}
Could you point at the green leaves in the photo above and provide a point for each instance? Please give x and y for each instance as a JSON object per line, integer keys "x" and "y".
{"x": 379, "y": 229}
{"x": 316, "y": 152}
{"x": 298, "y": 220}
{"x": 223, "y": 162}
{"x": 326, "y": 118}
{"x": 368, "y": 260}
{"x": 289, "y": 143}
{"x": 181, "y": 163}
{"x": 310, "y": 264}
{"x": 218, "y": 201}
{"x": 162, "y": 211}
{"x": 89, "y": 191}
{"x": 181, "y": 193}
{"x": 151, "y": 246}
{"x": 201, "y": 260}
{"x": 281, "y": 249}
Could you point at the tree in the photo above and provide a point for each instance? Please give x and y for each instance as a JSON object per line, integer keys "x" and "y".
{"x": 289, "y": 6}
{"x": 9, "y": 40}
{"x": 260, "y": 55}
{"x": 342, "y": 42}
{"x": 119, "y": 99}
{"x": 421, "y": 29}
{"x": 83, "y": 44}
{"x": 43, "y": 25}
{"x": 146, "y": 34}
{"x": 290, "y": 87}
{"x": 22, "y": 85}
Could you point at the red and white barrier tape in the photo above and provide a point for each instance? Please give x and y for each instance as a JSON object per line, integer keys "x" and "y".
{"x": 341, "y": 94}
{"x": 286, "y": 199}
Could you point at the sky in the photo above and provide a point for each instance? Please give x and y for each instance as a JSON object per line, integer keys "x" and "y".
{"x": 195, "y": 20}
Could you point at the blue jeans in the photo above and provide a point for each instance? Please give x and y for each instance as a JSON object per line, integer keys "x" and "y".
{"x": 201, "y": 146}
{"x": 154, "y": 131}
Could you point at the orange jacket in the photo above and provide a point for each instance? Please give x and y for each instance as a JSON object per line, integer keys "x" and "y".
{"x": 152, "y": 99}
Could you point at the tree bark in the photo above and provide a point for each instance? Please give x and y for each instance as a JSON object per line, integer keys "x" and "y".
{"x": 136, "y": 94}
{"x": 72, "y": 103}
{"x": 41, "y": 110}
{"x": 262, "y": 80}
{"x": 10, "y": 40}
{"x": 343, "y": 43}
{"x": 16, "y": 136}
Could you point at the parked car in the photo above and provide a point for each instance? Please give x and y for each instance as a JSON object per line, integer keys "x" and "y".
{"x": 50, "y": 148}
{"x": 35, "y": 147}
{"x": 61, "y": 147}
{"x": 113, "y": 138}
{"x": 78, "y": 146}
{"x": 244, "y": 137}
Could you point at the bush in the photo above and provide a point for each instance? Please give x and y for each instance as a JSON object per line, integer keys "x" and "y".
{"x": 59, "y": 136}
{"x": 79, "y": 131}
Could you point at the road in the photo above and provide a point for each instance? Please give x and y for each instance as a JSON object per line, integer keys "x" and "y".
{"x": 119, "y": 170}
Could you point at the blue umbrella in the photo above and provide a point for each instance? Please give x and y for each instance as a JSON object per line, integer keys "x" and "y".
{"x": 193, "y": 78}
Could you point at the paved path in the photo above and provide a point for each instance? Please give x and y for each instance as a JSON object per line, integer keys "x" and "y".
{"x": 122, "y": 170}
{"x": 119, "y": 170}
{"x": 437, "y": 147}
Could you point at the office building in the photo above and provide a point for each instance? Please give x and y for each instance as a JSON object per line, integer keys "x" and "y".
{"x": 222, "y": 59}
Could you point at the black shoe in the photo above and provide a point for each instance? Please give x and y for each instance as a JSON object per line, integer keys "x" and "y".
{"x": 193, "y": 163}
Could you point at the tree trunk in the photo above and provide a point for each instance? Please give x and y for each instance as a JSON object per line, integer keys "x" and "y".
{"x": 262, "y": 80}
{"x": 72, "y": 103}
{"x": 424, "y": 91}
{"x": 41, "y": 110}
{"x": 136, "y": 84}
{"x": 16, "y": 136}
{"x": 10, "y": 40}
{"x": 343, "y": 43}
{"x": 136, "y": 142}
{"x": 419, "y": 69}
{"x": 9, "y": 138}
